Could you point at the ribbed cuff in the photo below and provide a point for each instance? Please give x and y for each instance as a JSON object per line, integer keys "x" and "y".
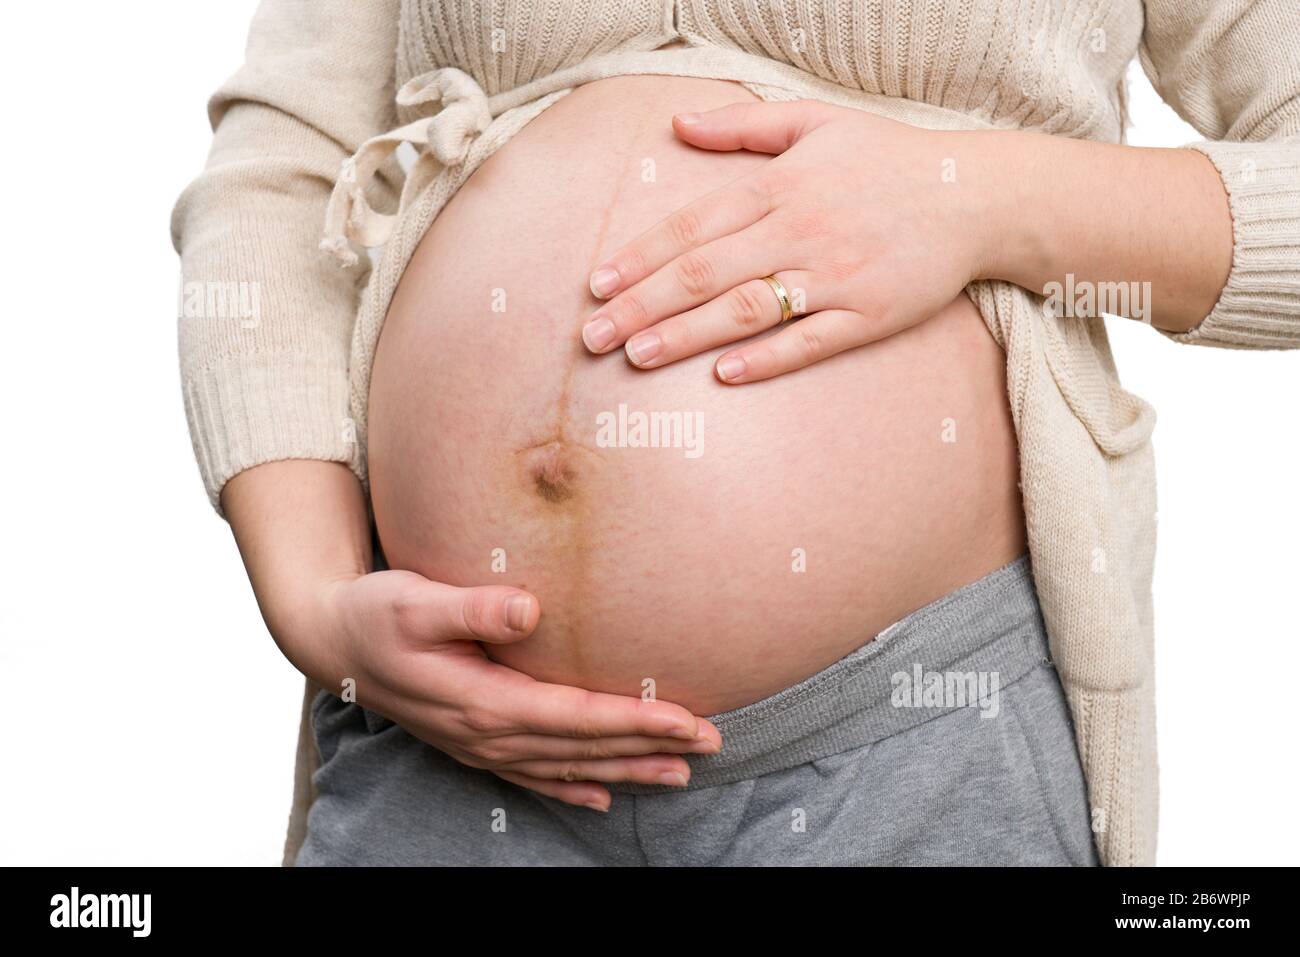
{"x": 1260, "y": 304}
{"x": 248, "y": 410}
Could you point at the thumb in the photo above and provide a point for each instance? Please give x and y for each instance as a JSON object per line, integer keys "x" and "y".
{"x": 437, "y": 612}
{"x": 758, "y": 127}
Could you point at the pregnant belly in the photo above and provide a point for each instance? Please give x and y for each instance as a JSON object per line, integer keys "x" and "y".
{"x": 719, "y": 542}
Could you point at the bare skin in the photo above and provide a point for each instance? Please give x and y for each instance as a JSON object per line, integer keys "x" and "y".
{"x": 880, "y": 223}
{"x": 820, "y": 508}
{"x": 414, "y": 647}
{"x": 1100, "y": 212}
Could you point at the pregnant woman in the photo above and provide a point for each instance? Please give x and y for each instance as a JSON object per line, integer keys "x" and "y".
{"x": 723, "y": 462}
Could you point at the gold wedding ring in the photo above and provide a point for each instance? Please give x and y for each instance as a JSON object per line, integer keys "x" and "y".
{"x": 783, "y": 297}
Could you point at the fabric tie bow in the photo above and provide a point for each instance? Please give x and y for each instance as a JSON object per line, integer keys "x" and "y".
{"x": 463, "y": 116}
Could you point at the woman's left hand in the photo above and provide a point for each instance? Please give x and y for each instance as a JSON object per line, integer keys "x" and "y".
{"x": 871, "y": 225}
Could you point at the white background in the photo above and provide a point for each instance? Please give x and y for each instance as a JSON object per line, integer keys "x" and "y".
{"x": 149, "y": 718}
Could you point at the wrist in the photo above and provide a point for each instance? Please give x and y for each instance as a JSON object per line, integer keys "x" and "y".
{"x": 1012, "y": 219}
{"x": 307, "y": 625}
{"x": 304, "y": 534}
{"x": 1154, "y": 221}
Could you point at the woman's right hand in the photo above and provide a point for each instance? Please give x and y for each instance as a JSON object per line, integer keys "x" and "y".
{"x": 412, "y": 648}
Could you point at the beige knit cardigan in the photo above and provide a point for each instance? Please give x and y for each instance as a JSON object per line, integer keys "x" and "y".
{"x": 321, "y": 81}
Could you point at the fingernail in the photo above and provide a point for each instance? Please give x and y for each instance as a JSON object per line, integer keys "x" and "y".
{"x": 688, "y": 119}
{"x": 674, "y": 779}
{"x": 517, "y": 610}
{"x": 731, "y": 367}
{"x": 641, "y": 349}
{"x": 705, "y": 746}
{"x": 597, "y": 334}
{"x": 597, "y": 807}
{"x": 603, "y": 281}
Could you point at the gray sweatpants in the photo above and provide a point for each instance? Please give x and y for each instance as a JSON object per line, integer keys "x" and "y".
{"x": 947, "y": 740}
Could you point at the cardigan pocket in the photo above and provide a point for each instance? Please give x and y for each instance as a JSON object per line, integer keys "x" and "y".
{"x": 1087, "y": 474}
{"x": 1078, "y": 353}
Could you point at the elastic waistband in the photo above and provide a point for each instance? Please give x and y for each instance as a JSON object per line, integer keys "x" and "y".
{"x": 977, "y": 640}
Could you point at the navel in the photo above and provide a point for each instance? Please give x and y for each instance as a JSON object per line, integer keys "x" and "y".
{"x": 550, "y": 471}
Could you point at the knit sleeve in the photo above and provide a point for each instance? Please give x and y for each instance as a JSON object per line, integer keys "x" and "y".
{"x": 266, "y": 317}
{"x": 1231, "y": 68}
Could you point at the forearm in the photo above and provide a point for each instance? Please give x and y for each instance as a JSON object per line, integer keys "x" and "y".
{"x": 1075, "y": 212}
{"x": 299, "y": 525}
